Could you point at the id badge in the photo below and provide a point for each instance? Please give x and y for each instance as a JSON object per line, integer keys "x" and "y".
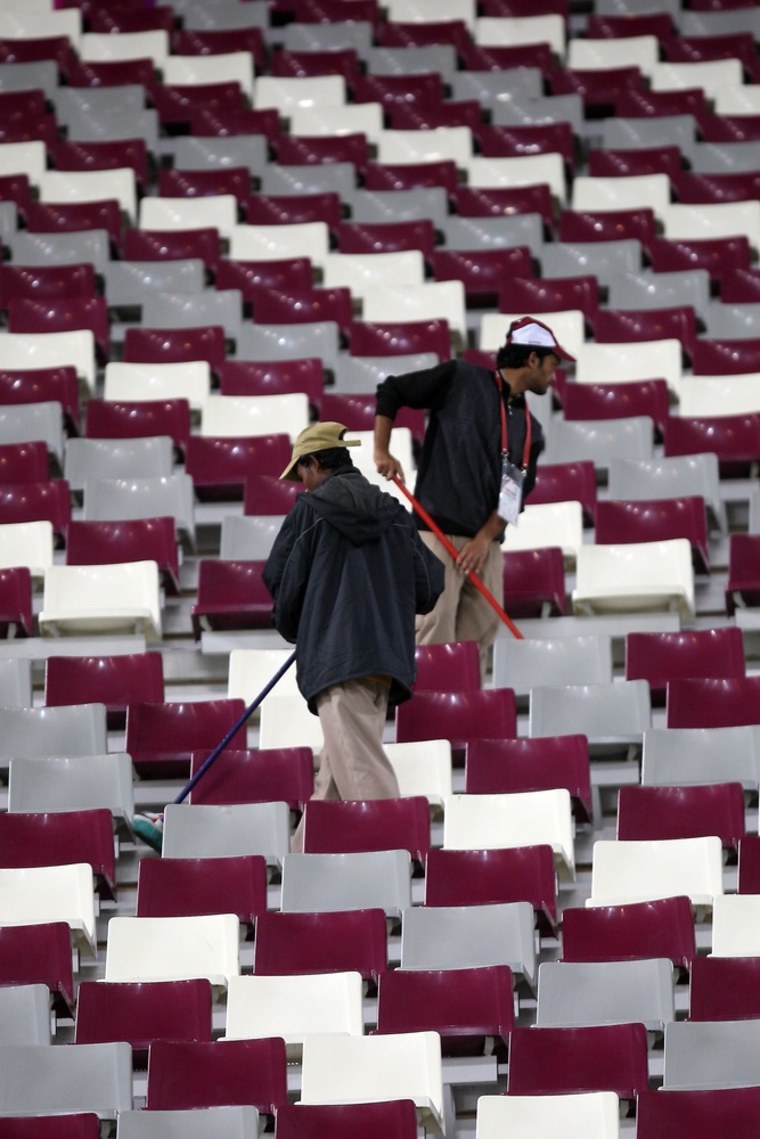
{"x": 510, "y": 492}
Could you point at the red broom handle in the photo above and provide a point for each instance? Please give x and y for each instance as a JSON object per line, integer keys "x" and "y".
{"x": 451, "y": 548}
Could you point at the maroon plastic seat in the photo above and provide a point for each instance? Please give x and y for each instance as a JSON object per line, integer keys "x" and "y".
{"x": 599, "y": 90}
{"x": 697, "y": 1114}
{"x": 220, "y": 465}
{"x": 39, "y": 954}
{"x": 231, "y": 595}
{"x": 161, "y": 736}
{"x": 504, "y": 57}
{"x": 714, "y": 357}
{"x": 127, "y": 540}
{"x": 78, "y": 1125}
{"x": 70, "y": 217}
{"x": 301, "y": 64}
{"x": 748, "y": 876}
{"x": 574, "y": 481}
{"x": 735, "y": 439}
{"x": 655, "y": 520}
{"x": 411, "y": 176}
{"x": 399, "y": 33}
{"x": 284, "y": 209}
{"x": 645, "y": 813}
{"x": 62, "y": 314}
{"x": 453, "y": 666}
{"x": 386, "y": 237}
{"x": 370, "y": 339}
{"x": 323, "y": 11}
{"x": 465, "y": 1006}
{"x": 324, "y": 942}
{"x": 719, "y": 255}
{"x": 743, "y": 579}
{"x": 195, "y": 1074}
{"x": 429, "y": 116}
{"x": 481, "y": 271}
{"x": 174, "y": 345}
{"x": 118, "y": 18}
{"x": 615, "y": 401}
{"x": 111, "y": 680}
{"x": 490, "y": 877}
{"x": 679, "y": 322}
{"x": 42, "y": 385}
{"x": 659, "y": 24}
{"x": 613, "y": 163}
{"x": 357, "y": 412}
{"x": 660, "y": 657}
{"x": 396, "y": 1117}
{"x": 534, "y": 583}
{"x": 16, "y": 615}
{"x": 594, "y": 1058}
{"x": 457, "y": 716}
{"x": 699, "y": 702}
{"x": 734, "y": 186}
{"x": 606, "y": 225}
{"x": 531, "y": 764}
{"x": 724, "y": 988}
{"x": 34, "y": 501}
{"x": 338, "y": 827}
{"x": 254, "y": 775}
{"x": 225, "y": 122}
{"x": 57, "y": 48}
{"x": 46, "y": 281}
{"x": 107, "y": 154}
{"x": 216, "y": 41}
{"x": 58, "y": 838}
{"x": 425, "y": 87}
{"x": 641, "y": 102}
{"x": 141, "y": 1012}
{"x": 534, "y": 294}
{"x": 112, "y": 73}
{"x": 134, "y": 419}
{"x": 268, "y": 494}
{"x": 185, "y": 887}
{"x": 235, "y": 180}
{"x": 172, "y": 244}
{"x": 511, "y": 141}
{"x": 663, "y": 927}
{"x": 299, "y": 306}
{"x": 301, "y": 150}
{"x": 294, "y": 272}
{"x": 23, "y": 462}
{"x": 175, "y": 103}
{"x": 16, "y": 188}
{"x": 526, "y": 7}
{"x": 488, "y": 201}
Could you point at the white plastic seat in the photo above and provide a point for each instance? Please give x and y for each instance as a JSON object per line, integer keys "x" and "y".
{"x": 632, "y": 191}
{"x": 566, "y": 324}
{"x": 279, "y": 242}
{"x": 190, "y": 380}
{"x": 287, "y": 722}
{"x": 104, "y": 47}
{"x": 320, "y": 338}
{"x": 547, "y": 524}
{"x": 522, "y": 818}
{"x": 217, "y": 211}
{"x": 714, "y": 220}
{"x": 153, "y": 496}
{"x": 431, "y": 11}
{"x": 28, "y": 544}
{"x": 442, "y": 300}
{"x": 580, "y": 1115}
{"x": 73, "y": 783}
{"x": 599, "y": 440}
{"x": 660, "y": 868}
{"x": 294, "y": 1006}
{"x": 506, "y": 31}
{"x": 227, "y": 415}
{"x": 529, "y": 663}
{"x": 707, "y": 396}
{"x": 402, "y": 449}
{"x": 42, "y": 894}
{"x": 250, "y": 670}
{"x": 635, "y": 577}
{"x": 215, "y": 831}
{"x": 362, "y": 374}
{"x": 422, "y": 767}
{"x": 15, "y": 682}
{"x": 173, "y": 949}
{"x": 28, "y": 158}
{"x": 356, "y": 1069}
{"x": 248, "y": 537}
{"x": 601, "y": 54}
{"x": 26, "y": 22}
{"x": 600, "y": 258}
{"x": 120, "y": 598}
{"x": 634, "y": 360}
{"x": 285, "y": 93}
{"x": 219, "y": 307}
{"x": 737, "y": 99}
{"x": 356, "y": 271}
{"x": 576, "y": 993}
{"x": 528, "y": 170}
{"x": 489, "y": 88}
{"x": 436, "y": 144}
{"x": 671, "y": 757}
{"x": 712, "y": 75}
{"x": 224, "y": 67}
{"x": 68, "y": 730}
{"x": 357, "y": 881}
{"x": 646, "y": 289}
{"x": 28, "y": 350}
{"x": 630, "y": 478}
{"x": 349, "y": 118}
{"x": 85, "y": 458}
{"x": 92, "y": 186}
{"x": 736, "y": 926}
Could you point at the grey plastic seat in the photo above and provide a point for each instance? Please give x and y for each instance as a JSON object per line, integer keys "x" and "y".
{"x": 45, "y": 1080}
{"x": 622, "y": 133}
{"x": 36, "y": 75}
{"x": 646, "y": 289}
{"x": 358, "y": 881}
{"x": 8, "y": 219}
{"x": 440, "y": 58}
{"x": 61, "y": 248}
{"x": 85, "y": 459}
{"x": 73, "y": 729}
{"x": 198, "y": 153}
{"x": 192, "y": 310}
{"x": 356, "y": 34}
{"x": 681, "y": 756}
{"x": 724, "y": 157}
{"x": 732, "y": 321}
{"x": 575, "y": 993}
{"x": 24, "y": 1014}
{"x": 632, "y": 478}
{"x": 73, "y": 783}
{"x": 464, "y": 937}
{"x": 223, "y": 14}
{"x": 362, "y": 374}
{"x": 601, "y": 441}
{"x": 613, "y": 716}
{"x": 299, "y": 179}
{"x": 711, "y": 1054}
{"x": 118, "y": 499}
{"x": 378, "y": 206}
{"x": 87, "y": 127}
{"x": 495, "y": 233}
{"x": 490, "y": 89}
{"x": 637, "y": 7}
{"x": 536, "y": 110}
{"x": 15, "y": 682}
{"x": 224, "y": 1122}
{"x": 211, "y": 831}
{"x": 523, "y": 665}
{"x": 248, "y": 537}
{"x": 290, "y": 342}
{"x": 70, "y": 102}
{"x": 602, "y": 259}
{"x": 129, "y": 283}
{"x": 719, "y": 23}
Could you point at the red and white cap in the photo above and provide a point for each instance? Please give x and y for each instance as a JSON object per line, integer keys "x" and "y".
{"x": 533, "y": 334}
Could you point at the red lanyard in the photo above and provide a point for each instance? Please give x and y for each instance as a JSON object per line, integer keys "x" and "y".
{"x": 504, "y": 434}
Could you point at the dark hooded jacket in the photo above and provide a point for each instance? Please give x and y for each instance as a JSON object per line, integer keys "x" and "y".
{"x": 348, "y": 572}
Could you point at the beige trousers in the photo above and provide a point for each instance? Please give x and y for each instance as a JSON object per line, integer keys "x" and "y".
{"x": 461, "y": 612}
{"x": 352, "y": 763}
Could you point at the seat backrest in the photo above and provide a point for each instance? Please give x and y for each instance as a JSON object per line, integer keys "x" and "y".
{"x": 228, "y": 1121}
{"x": 396, "y": 1117}
{"x": 736, "y": 924}
{"x": 76, "y": 729}
{"x": 594, "y": 1114}
{"x": 363, "y": 880}
{"x": 657, "y": 868}
{"x": 706, "y": 703}
{"x": 548, "y": 524}
{"x": 523, "y": 665}
{"x": 661, "y": 657}
{"x": 294, "y": 1006}
{"x": 81, "y": 782}
{"x": 174, "y": 948}
{"x": 332, "y": 827}
{"x": 711, "y": 1054}
{"x": 609, "y": 1057}
{"x": 183, "y": 887}
{"x": 40, "y": 1079}
{"x": 631, "y": 576}
{"x": 615, "y": 710}
{"x": 115, "y": 680}
{"x": 696, "y": 1114}
{"x": 24, "y": 1014}
{"x": 678, "y": 756}
{"x": 195, "y": 1074}
{"x": 211, "y": 831}
{"x": 682, "y": 812}
{"x": 662, "y": 927}
{"x": 127, "y": 596}
{"x": 724, "y": 988}
{"x": 422, "y": 767}
{"x": 532, "y": 764}
{"x": 141, "y": 1014}
{"x": 457, "y": 716}
{"x": 58, "y": 838}
{"x": 347, "y": 940}
{"x": 571, "y": 994}
{"x": 116, "y": 458}
{"x": 528, "y": 818}
{"x": 43, "y": 894}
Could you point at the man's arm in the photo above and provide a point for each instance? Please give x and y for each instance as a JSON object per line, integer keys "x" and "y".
{"x": 473, "y": 554}
{"x": 387, "y": 465}
{"x": 425, "y": 389}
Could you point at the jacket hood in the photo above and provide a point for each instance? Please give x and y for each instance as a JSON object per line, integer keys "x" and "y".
{"x": 358, "y": 510}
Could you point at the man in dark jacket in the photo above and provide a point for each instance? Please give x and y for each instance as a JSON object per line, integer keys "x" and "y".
{"x": 477, "y": 466}
{"x": 348, "y": 573}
